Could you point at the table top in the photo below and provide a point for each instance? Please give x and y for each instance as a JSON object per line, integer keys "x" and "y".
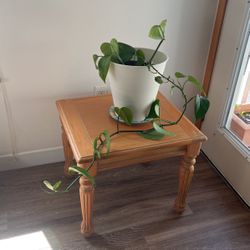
{"x": 84, "y": 118}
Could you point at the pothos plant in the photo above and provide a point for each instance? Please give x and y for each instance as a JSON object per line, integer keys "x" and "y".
{"x": 122, "y": 53}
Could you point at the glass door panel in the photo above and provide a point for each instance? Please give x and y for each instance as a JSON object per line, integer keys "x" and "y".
{"x": 237, "y": 121}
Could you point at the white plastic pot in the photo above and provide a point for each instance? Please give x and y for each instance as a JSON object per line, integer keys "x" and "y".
{"x": 134, "y": 86}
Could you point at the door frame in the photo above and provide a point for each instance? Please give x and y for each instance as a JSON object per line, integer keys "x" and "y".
{"x": 225, "y": 155}
{"x": 220, "y": 14}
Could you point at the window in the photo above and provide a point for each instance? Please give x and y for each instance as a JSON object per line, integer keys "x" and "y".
{"x": 237, "y": 121}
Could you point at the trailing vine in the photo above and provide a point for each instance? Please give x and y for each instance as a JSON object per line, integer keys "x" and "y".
{"x": 122, "y": 53}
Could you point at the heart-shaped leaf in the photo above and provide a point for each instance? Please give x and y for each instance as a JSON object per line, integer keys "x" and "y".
{"x": 156, "y": 33}
{"x": 140, "y": 53}
{"x": 201, "y": 106}
{"x": 163, "y": 25}
{"x": 95, "y": 58}
{"x": 125, "y": 114}
{"x": 97, "y": 154}
{"x": 96, "y": 151}
{"x": 151, "y": 134}
{"x": 159, "y": 79}
{"x": 196, "y": 83}
{"x": 140, "y": 58}
{"x": 114, "y": 46}
{"x": 83, "y": 172}
{"x": 126, "y": 52}
{"x": 107, "y": 141}
{"x": 160, "y": 130}
{"x": 103, "y": 66}
{"x": 57, "y": 185}
{"x": 179, "y": 75}
{"x": 48, "y": 185}
{"x": 97, "y": 148}
{"x": 106, "y": 49}
{"x": 154, "y": 111}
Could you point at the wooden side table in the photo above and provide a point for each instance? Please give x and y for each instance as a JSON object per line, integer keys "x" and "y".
{"x": 84, "y": 118}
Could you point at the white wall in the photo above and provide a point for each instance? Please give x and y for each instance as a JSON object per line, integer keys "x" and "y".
{"x": 46, "y": 52}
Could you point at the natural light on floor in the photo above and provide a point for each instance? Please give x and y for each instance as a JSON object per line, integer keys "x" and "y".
{"x": 32, "y": 241}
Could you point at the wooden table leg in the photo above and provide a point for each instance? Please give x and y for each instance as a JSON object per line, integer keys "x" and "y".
{"x": 68, "y": 154}
{"x": 185, "y": 175}
{"x": 86, "y": 192}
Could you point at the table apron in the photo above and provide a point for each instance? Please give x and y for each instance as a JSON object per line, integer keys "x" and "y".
{"x": 135, "y": 157}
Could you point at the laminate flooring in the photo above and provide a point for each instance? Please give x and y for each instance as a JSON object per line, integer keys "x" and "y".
{"x": 132, "y": 210}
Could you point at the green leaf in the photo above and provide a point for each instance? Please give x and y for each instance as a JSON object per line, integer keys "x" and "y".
{"x": 163, "y": 25}
{"x": 97, "y": 154}
{"x": 117, "y": 111}
{"x": 103, "y": 66}
{"x": 114, "y": 59}
{"x": 115, "y": 50}
{"x": 201, "y": 107}
{"x": 103, "y": 142}
{"x": 95, "y": 58}
{"x": 160, "y": 130}
{"x": 140, "y": 57}
{"x": 106, "y": 49}
{"x": 107, "y": 141}
{"x": 95, "y": 142}
{"x": 157, "y": 110}
{"x": 156, "y": 32}
{"x": 83, "y": 172}
{"x": 125, "y": 114}
{"x": 196, "y": 83}
{"x": 48, "y": 185}
{"x": 151, "y": 134}
{"x": 126, "y": 52}
{"x": 57, "y": 185}
{"x": 140, "y": 53}
{"x": 154, "y": 111}
{"x": 179, "y": 75}
{"x": 158, "y": 79}
{"x": 114, "y": 46}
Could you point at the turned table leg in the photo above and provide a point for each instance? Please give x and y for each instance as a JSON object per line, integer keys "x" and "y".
{"x": 68, "y": 154}
{"x": 185, "y": 175}
{"x": 86, "y": 192}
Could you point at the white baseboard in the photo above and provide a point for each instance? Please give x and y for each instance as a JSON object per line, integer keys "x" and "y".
{"x": 31, "y": 158}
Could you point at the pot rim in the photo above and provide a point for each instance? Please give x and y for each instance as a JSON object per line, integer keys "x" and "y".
{"x": 164, "y": 58}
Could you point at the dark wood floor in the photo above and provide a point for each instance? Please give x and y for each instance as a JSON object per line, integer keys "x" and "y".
{"x": 133, "y": 210}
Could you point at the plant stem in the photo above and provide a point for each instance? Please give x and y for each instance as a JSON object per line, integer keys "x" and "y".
{"x": 91, "y": 164}
{"x": 72, "y": 183}
{"x": 166, "y": 78}
{"x": 169, "y": 123}
{"x": 117, "y": 124}
{"x": 152, "y": 57}
{"x": 181, "y": 89}
{"x": 127, "y": 131}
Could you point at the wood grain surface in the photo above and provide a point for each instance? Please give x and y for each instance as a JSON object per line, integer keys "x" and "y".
{"x": 132, "y": 209}
{"x": 84, "y": 118}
